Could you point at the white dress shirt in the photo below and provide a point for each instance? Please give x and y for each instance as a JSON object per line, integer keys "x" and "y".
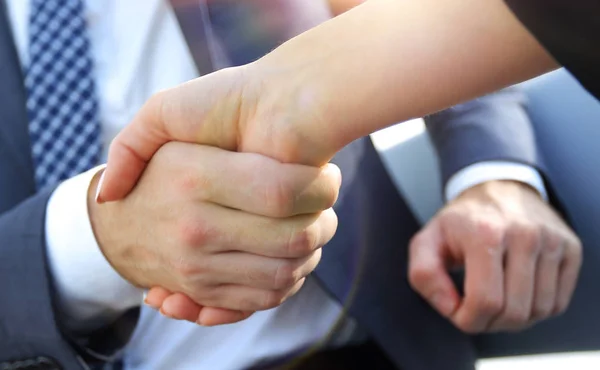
{"x": 138, "y": 50}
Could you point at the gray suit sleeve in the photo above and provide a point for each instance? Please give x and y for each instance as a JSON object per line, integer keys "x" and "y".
{"x": 494, "y": 127}
{"x": 30, "y": 326}
{"x": 27, "y": 322}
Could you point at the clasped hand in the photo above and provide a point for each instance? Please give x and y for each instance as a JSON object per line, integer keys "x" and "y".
{"x": 230, "y": 230}
{"x": 220, "y": 234}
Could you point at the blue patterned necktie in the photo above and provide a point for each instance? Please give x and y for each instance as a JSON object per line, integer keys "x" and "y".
{"x": 62, "y": 105}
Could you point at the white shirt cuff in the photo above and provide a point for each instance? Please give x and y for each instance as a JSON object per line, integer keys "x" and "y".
{"x": 90, "y": 292}
{"x": 479, "y": 173}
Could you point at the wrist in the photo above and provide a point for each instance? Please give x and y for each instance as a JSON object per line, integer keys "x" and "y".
{"x": 287, "y": 121}
{"x": 327, "y": 77}
{"x": 76, "y": 263}
{"x": 488, "y": 171}
{"x": 102, "y": 217}
{"x": 498, "y": 189}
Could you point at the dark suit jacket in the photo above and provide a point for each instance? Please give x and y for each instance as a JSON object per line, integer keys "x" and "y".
{"x": 364, "y": 266}
{"x": 570, "y": 31}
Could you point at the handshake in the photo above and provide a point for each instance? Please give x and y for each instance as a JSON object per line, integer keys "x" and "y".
{"x": 226, "y": 228}
{"x": 226, "y": 191}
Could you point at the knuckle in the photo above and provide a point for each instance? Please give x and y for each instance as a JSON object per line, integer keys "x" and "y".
{"x": 490, "y": 232}
{"x": 302, "y": 242}
{"x": 489, "y": 305}
{"x": 194, "y": 232}
{"x": 530, "y": 234}
{"x": 330, "y": 196}
{"x": 314, "y": 260}
{"x": 279, "y": 198}
{"x": 328, "y": 221}
{"x": 419, "y": 275}
{"x": 334, "y": 185}
{"x": 272, "y": 299}
{"x": 515, "y": 317}
{"x": 187, "y": 182}
{"x": 157, "y": 103}
{"x": 468, "y": 326}
{"x": 575, "y": 247}
{"x": 560, "y": 308}
{"x": 542, "y": 311}
{"x": 286, "y": 275}
{"x": 185, "y": 271}
{"x": 553, "y": 248}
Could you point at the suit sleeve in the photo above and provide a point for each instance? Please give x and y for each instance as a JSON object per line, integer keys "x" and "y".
{"x": 30, "y": 325}
{"x": 492, "y": 128}
{"x": 495, "y": 127}
{"x": 570, "y": 31}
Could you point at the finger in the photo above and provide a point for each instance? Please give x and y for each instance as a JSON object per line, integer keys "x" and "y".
{"x": 484, "y": 287}
{"x": 242, "y": 298}
{"x": 233, "y": 230}
{"x": 523, "y": 248}
{"x": 547, "y": 277}
{"x": 212, "y": 316}
{"x": 269, "y": 188}
{"x": 260, "y": 272}
{"x": 569, "y": 272}
{"x": 156, "y": 296}
{"x": 427, "y": 270}
{"x": 180, "y": 114}
{"x": 179, "y": 306}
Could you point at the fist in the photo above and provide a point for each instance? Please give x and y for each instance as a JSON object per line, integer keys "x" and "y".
{"x": 521, "y": 261}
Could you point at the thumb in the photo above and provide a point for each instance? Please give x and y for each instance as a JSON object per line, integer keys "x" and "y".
{"x": 202, "y": 111}
{"x": 428, "y": 275}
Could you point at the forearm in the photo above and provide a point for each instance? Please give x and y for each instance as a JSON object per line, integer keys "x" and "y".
{"x": 387, "y": 61}
{"x": 383, "y": 62}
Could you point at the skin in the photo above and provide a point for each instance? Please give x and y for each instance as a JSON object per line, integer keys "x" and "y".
{"x": 521, "y": 259}
{"x": 187, "y": 226}
{"x": 521, "y": 262}
{"x": 417, "y": 59}
{"x": 313, "y": 95}
{"x": 542, "y": 255}
{"x": 341, "y": 6}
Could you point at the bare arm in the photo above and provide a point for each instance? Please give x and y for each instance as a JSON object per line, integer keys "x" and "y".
{"x": 387, "y": 61}
{"x": 382, "y": 62}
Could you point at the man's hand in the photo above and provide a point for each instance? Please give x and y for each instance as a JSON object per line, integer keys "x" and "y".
{"x": 230, "y": 230}
{"x": 521, "y": 260}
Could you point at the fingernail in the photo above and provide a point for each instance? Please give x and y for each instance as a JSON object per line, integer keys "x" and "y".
{"x": 99, "y": 187}
{"x": 149, "y": 305}
{"x": 443, "y": 304}
{"x": 166, "y": 314}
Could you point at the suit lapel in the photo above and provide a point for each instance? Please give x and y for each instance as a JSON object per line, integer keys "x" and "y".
{"x": 193, "y": 19}
{"x": 14, "y": 135}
